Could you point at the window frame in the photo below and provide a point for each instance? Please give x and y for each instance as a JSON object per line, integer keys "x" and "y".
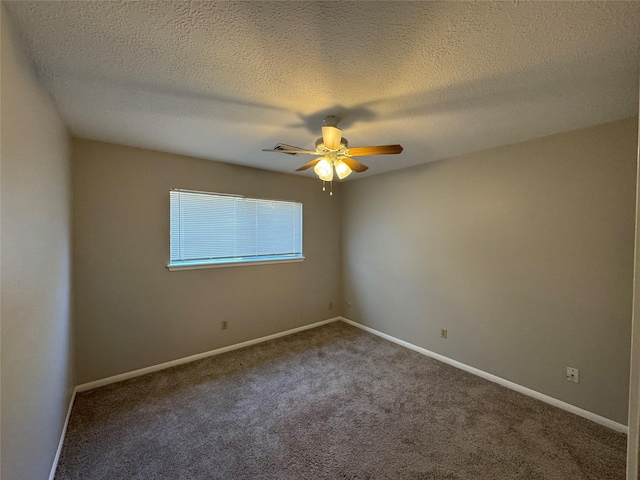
{"x": 237, "y": 261}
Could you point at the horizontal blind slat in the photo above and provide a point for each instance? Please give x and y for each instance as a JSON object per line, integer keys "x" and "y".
{"x": 208, "y": 226}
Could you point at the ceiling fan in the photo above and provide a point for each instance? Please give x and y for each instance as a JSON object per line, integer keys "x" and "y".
{"x": 333, "y": 152}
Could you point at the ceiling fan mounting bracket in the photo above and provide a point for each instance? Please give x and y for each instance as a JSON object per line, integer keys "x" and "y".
{"x": 331, "y": 121}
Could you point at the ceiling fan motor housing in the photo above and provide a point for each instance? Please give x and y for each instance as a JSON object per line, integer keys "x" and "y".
{"x": 321, "y": 147}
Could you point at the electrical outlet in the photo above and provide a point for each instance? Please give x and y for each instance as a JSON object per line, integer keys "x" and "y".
{"x": 330, "y": 305}
{"x": 224, "y": 325}
{"x": 573, "y": 375}
{"x": 443, "y": 332}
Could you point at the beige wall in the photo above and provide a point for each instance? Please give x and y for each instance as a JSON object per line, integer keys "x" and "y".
{"x": 35, "y": 270}
{"x": 633, "y": 450}
{"x": 524, "y": 253}
{"x": 131, "y": 312}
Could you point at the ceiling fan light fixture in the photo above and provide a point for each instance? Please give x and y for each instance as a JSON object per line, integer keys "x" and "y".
{"x": 342, "y": 169}
{"x": 324, "y": 170}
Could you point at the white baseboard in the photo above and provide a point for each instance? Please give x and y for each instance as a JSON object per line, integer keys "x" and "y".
{"x": 64, "y": 432}
{"x": 161, "y": 366}
{"x": 618, "y": 427}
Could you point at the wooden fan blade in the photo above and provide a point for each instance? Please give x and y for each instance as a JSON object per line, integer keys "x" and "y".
{"x": 354, "y": 164}
{"x": 379, "y": 150}
{"x": 312, "y": 163}
{"x": 331, "y": 137}
{"x": 277, "y": 150}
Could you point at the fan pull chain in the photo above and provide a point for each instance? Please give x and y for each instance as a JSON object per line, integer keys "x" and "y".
{"x": 324, "y": 188}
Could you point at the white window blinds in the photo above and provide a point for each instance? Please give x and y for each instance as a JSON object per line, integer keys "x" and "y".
{"x": 208, "y": 228}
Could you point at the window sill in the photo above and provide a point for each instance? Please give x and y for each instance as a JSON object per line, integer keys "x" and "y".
{"x": 242, "y": 263}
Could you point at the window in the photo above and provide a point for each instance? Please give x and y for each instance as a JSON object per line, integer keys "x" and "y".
{"x": 210, "y": 229}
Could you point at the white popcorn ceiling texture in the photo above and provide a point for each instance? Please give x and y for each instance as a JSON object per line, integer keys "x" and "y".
{"x": 222, "y": 80}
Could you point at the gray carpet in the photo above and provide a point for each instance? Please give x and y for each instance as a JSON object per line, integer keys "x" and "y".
{"x": 329, "y": 403}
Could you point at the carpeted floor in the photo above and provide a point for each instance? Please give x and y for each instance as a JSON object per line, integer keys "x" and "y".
{"x": 329, "y": 403}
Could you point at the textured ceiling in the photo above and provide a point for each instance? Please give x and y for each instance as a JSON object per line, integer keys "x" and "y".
{"x": 222, "y": 80}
